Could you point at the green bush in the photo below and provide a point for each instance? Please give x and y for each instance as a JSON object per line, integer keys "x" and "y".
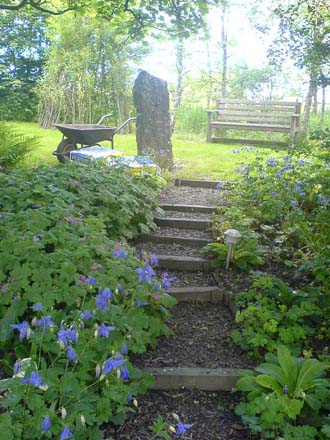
{"x": 14, "y": 147}
{"x": 75, "y": 302}
{"x": 284, "y": 395}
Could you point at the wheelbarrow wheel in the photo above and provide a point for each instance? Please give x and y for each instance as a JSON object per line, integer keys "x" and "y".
{"x": 63, "y": 150}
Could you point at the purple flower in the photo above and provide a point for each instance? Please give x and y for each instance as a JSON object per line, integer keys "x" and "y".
{"x": 124, "y": 373}
{"x": 67, "y": 335}
{"x": 46, "y": 424}
{"x": 219, "y": 185}
{"x": 129, "y": 397}
{"x": 103, "y": 298}
{"x": 36, "y": 239}
{"x": 145, "y": 273}
{"x": 90, "y": 281}
{"x": 285, "y": 389}
{"x": 301, "y": 162}
{"x": 34, "y": 379}
{"x": 87, "y": 315}
{"x": 17, "y": 367}
{"x": 35, "y": 206}
{"x": 36, "y": 307}
{"x": 104, "y": 330}
{"x": 153, "y": 260}
{"x": 1, "y": 215}
{"x": 248, "y": 148}
{"x": 45, "y": 322}
{"x": 119, "y": 253}
{"x": 322, "y": 200}
{"x": 271, "y": 162}
{"x": 235, "y": 151}
{"x": 111, "y": 364}
{"x": 167, "y": 281}
{"x": 66, "y": 433}
{"x": 181, "y": 428}
{"x": 274, "y": 193}
{"x": 71, "y": 354}
{"x": 156, "y": 286}
{"x": 124, "y": 348}
{"x": 4, "y": 288}
{"x": 22, "y": 328}
{"x": 141, "y": 303}
{"x": 286, "y": 159}
{"x": 120, "y": 288}
{"x": 286, "y": 168}
{"x": 294, "y": 203}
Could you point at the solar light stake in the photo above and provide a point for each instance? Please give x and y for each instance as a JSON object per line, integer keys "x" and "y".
{"x": 231, "y": 237}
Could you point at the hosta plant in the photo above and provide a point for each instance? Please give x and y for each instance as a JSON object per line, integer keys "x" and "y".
{"x": 245, "y": 254}
{"x": 282, "y": 393}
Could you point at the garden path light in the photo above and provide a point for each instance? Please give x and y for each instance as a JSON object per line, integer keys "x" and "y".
{"x": 231, "y": 237}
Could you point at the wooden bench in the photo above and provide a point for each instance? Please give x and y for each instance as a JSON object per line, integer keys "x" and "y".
{"x": 267, "y": 116}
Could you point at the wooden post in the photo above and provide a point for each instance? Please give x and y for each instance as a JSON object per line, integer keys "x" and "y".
{"x": 209, "y": 129}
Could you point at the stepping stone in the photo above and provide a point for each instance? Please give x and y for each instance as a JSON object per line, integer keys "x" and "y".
{"x": 167, "y": 239}
{"x": 188, "y": 208}
{"x": 208, "y": 294}
{"x": 208, "y": 379}
{"x": 197, "y": 183}
{"x": 183, "y": 223}
{"x": 184, "y": 263}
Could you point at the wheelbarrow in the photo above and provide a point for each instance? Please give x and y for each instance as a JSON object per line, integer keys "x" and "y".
{"x": 86, "y": 135}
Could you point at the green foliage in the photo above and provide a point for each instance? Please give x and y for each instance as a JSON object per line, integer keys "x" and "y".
{"x": 245, "y": 253}
{"x": 271, "y": 313}
{"x": 283, "y": 392}
{"x": 14, "y": 147}
{"x": 22, "y": 54}
{"x": 59, "y": 261}
{"x": 321, "y": 134}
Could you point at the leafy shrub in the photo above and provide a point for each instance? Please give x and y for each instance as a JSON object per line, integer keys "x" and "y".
{"x": 321, "y": 134}
{"x": 283, "y": 393}
{"x": 74, "y": 302}
{"x": 14, "y": 147}
{"x": 245, "y": 253}
{"x": 272, "y": 313}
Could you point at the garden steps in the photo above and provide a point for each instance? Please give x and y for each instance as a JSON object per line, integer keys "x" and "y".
{"x": 168, "y": 234}
{"x": 184, "y": 223}
{"x": 207, "y": 379}
{"x": 188, "y": 208}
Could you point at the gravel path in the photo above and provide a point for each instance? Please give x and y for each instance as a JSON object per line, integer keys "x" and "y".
{"x": 178, "y": 232}
{"x": 192, "y": 196}
{"x": 201, "y": 338}
{"x": 186, "y": 279}
{"x": 211, "y": 415}
{"x": 186, "y": 215}
{"x": 151, "y": 247}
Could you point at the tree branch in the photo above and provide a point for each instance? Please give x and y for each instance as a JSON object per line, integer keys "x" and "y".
{"x": 36, "y": 5}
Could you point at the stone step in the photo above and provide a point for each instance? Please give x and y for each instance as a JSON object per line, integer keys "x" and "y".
{"x": 184, "y": 263}
{"x": 208, "y": 294}
{"x": 168, "y": 239}
{"x": 197, "y": 183}
{"x": 207, "y": 379}
{"x": 188, "y": 208}
{"x": 183, "y": 223}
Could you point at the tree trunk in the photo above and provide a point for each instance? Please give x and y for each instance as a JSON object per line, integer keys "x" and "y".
{"x": 224, "y": 41}
{"x": 323, "y": 104}
{"x": 179, "y": 79}
{"x": 308, "y": 103}
{"x": 153, "y": 128}
{"x": 315, "y": 101}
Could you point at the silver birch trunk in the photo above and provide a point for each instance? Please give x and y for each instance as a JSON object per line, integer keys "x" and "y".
{"x": 179, "y": 80}
{"x": 308, "y": 103}
{"x": 224, "y": 44}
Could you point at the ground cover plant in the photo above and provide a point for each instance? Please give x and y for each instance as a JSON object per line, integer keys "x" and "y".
{"x": 283, "y": 202}
{"x": 74, "y": 301}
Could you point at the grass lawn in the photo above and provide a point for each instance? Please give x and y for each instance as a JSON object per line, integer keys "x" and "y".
{"x": 193, "y": 158}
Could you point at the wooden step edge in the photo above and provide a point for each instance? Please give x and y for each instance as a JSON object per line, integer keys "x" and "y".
{"x": 188, "y": 208}
{"x": 184, "y": 263}
{"x": 207, "y": 379}
{"x": 172, "y": 239}
{"x": 211, "y": 184}
{"x": 180, "y": 223}
{"x": 201, "y": 294}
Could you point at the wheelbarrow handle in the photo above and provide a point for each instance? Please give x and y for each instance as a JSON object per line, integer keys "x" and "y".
{"x": 103, "y": 117}
{"x": 124, "y": 123}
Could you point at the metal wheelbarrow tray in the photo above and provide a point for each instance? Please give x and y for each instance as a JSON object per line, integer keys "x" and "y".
{"x": 86, "y": 135}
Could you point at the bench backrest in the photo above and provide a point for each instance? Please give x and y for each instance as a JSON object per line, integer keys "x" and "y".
{"x": 257, "y": 112}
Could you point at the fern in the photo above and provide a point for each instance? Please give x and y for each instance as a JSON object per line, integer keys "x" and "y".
{"x": 14, "y": 147}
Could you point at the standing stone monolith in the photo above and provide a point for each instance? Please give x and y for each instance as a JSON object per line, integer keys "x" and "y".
{"x": 153, "y": 128}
